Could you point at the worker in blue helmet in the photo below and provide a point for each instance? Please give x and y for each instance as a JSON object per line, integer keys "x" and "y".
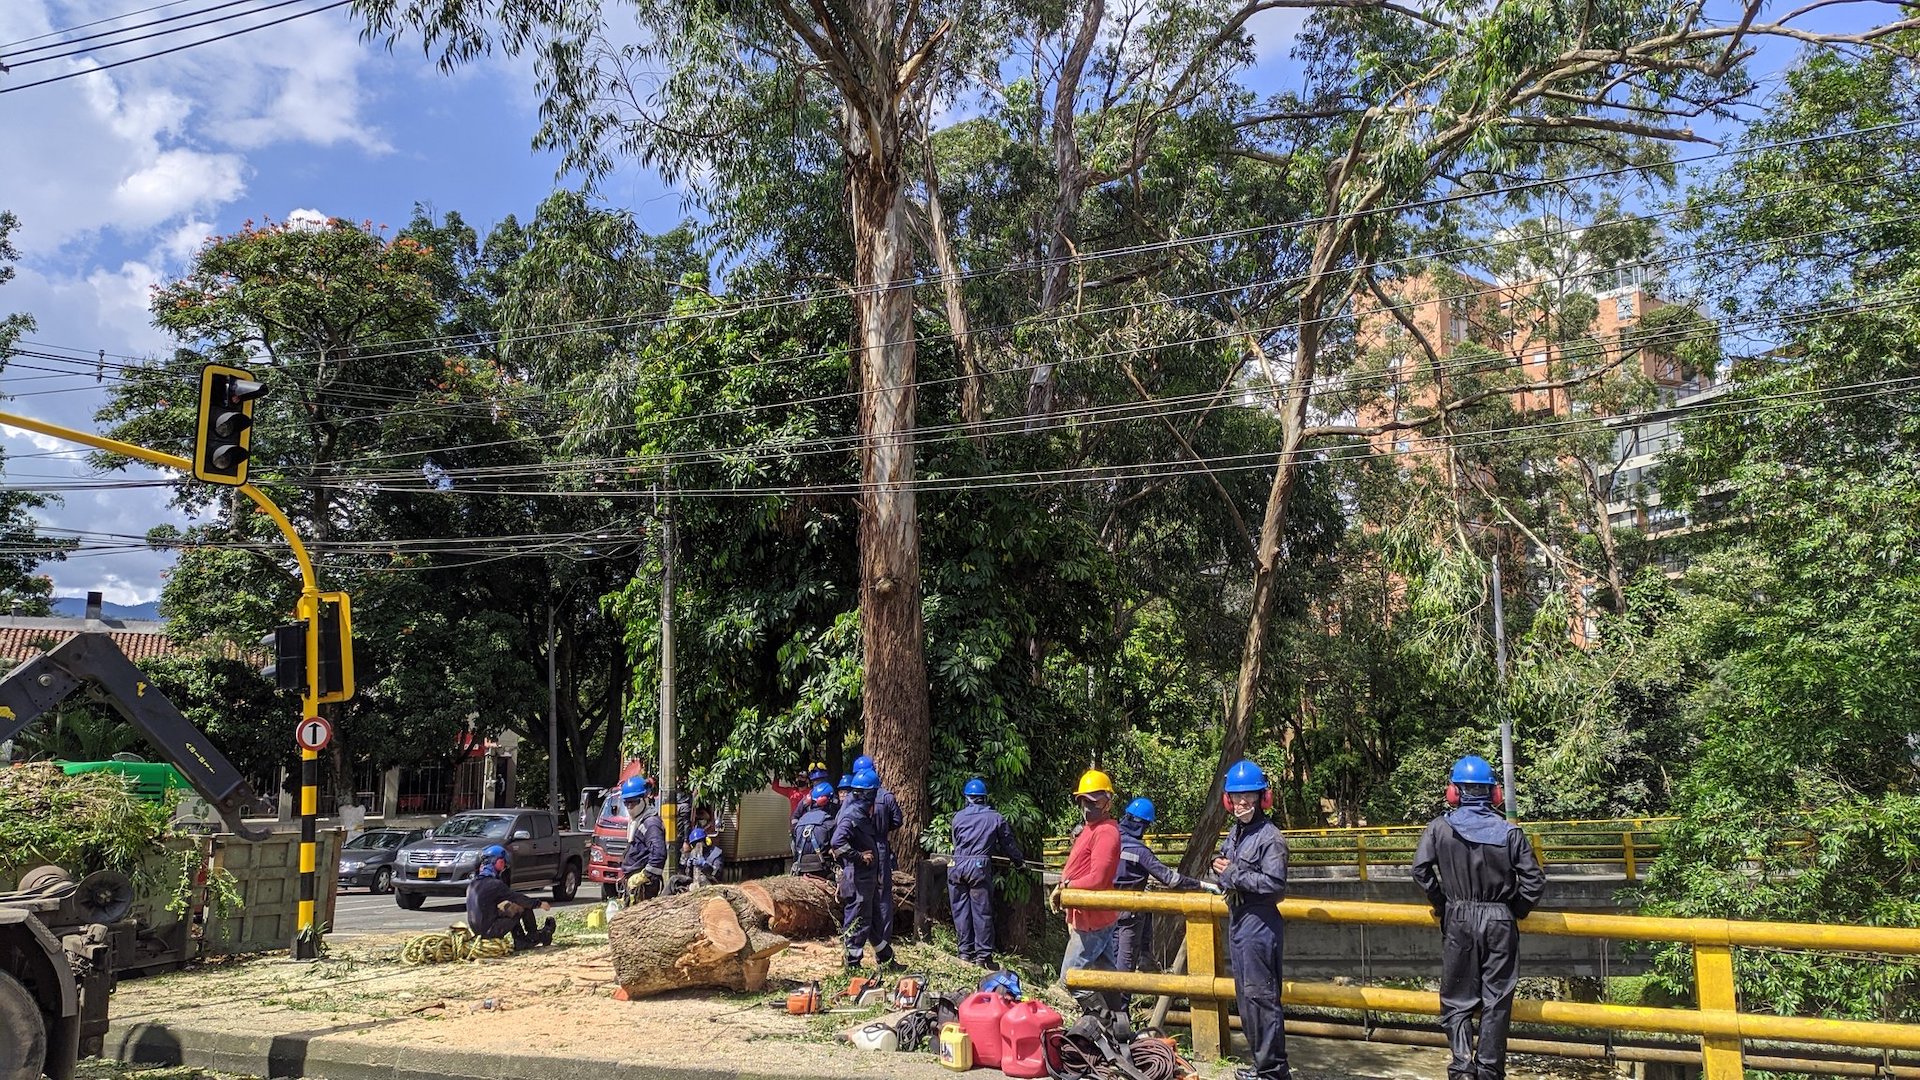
{"x": 980, "y": 834}
{"x": 857, "y": 848}
{"x": 1252, "y": 870}
{"x": 494, "y": 910}
{"x": 644, "y": 866}
{"x": 813, "y": 831}
{"x": 1139, "y": 866}
{"x": 1479, "y": 873}
{"x": 816, "y": 774}
{"x": 700, "y": 860}
{"x": 886, "y": 810}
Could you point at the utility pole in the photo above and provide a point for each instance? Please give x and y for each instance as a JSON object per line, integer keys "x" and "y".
{"x": 669, "y": 733}
{"x": 1506, "y": 719}
{"x": 553, "y": 721}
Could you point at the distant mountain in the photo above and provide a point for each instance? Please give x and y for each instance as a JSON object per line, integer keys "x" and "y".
{"x": 75, "y": 607}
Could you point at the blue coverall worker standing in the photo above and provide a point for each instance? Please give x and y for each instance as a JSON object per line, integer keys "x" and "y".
{"x": 979, "y": 834}
{"x": 644, "y": 866}
{"x": 887, "y": 812}
{"x": 813, "y": 833}
{"x": 494, "y": 910}
{"x": 1479, "y": 873}
{"x": 1133, "y": 934}
{"x": 856, "y": 844}
{"x": 1252, "y": 871}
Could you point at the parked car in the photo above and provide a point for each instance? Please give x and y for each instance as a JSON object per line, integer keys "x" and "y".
{"x": 543, "y": 851}
{"x": 366, "y": 862}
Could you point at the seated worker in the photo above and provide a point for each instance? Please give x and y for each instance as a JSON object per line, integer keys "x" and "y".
{"x": 494, "y": 910}
{"x": 700, "y": 861}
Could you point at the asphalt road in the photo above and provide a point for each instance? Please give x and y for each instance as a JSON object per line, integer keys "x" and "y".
{"x": 359, "y": 912}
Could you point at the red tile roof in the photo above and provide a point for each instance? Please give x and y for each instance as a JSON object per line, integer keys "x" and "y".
{"x": 22, "y": 639}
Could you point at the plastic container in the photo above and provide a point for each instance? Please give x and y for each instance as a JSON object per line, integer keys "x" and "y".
{"x": 980, "y": 1016}
{"x": 956, "y": 1048}
{"x": 1023, "y": 1033}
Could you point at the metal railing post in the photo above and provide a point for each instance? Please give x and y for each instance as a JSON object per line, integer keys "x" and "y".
{"x": 1714, "y": 991}
{"x": 1626, "y": 848}
{"x": 1360, "y": 853}
{"x": 1206, "y": 955}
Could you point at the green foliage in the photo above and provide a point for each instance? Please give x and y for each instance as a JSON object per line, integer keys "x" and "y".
{"x": 81, "y": 823}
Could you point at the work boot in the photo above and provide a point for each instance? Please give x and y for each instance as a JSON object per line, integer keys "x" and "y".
{"x": 546, "y": 931}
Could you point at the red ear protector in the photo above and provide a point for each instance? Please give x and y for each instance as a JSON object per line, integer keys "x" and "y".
{"x": 1266, "y": 800}
{"x": 1453, "y": 795}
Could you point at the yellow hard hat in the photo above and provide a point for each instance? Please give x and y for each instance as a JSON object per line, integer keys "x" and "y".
{"x": 1093, "y": 780}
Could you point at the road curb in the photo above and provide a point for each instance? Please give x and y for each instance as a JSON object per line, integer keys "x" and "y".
{"x": 322, "y": 1052}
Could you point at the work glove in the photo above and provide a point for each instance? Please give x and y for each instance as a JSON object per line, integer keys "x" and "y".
{"x": 1053, "y": 897}
{"x": 1210, "y": 887}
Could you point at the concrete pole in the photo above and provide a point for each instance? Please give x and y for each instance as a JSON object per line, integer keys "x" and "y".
{"x": 553, "y": 721}
{"x": 669, "y": 733}
{"x": 1506, "y": 720}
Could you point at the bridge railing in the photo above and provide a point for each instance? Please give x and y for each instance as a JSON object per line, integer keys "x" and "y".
{"x": 1716, "y": 1020}
{"x": 1625, "y": 844}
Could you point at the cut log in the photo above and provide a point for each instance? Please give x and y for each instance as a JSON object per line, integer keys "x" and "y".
{"x": 795, "y": 906}
{"x": 691, "y": 940}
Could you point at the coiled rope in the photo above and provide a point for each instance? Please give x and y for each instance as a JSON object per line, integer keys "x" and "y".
{"x": 456, "y": 943}
{"x": 1141, "y": 1059}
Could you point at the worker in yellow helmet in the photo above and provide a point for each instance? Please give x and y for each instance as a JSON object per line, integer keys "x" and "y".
{"x": 1091, "y": 864}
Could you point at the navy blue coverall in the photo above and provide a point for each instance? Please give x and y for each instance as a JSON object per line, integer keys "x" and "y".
{"x": 979, "y": 833}
{"x": 887, "y": 813}
{"x": 1479, "y": 873}
{"x": 485, "y": 919}
{"x": 1255, "y": 882}
{"x": 812, "y": 839}
{"x": 857, "y": 844}
{"x": 646, "y": 851}
{"x": 1133, "y": 936}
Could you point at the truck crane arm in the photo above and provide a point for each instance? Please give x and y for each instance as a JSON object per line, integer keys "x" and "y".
{"x": 43, "y": 682}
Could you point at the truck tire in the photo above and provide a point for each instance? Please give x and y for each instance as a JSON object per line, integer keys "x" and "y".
{"x": 24, "y": 1056}
{"x": 412, "y": 901}
{"x": 568, "y": 884}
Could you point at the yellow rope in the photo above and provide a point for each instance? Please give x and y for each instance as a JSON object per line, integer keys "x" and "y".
{"x": 455, "y": 943}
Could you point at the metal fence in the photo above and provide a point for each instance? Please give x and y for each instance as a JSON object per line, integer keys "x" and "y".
{"x": 1716, "y": 1018}
{"x": 1625, "y": 845}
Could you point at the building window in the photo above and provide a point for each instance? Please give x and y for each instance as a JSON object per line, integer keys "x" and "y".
{"x": 1623, "y": 308}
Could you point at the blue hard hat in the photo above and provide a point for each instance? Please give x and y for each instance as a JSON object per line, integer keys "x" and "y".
{"x": 863, "y": 762}
{"x": 821, "y": 790}
{"x": 635, "y": 787}
{"x": 1004, "y": 981}
{"x": 491, "y": 857}
{"x": 865, "y": 780}
{"x": 1141, "y": 808}
{"x": 846, "y": 782}
{"x": 696, "y": 836}
{"x": 1244, "y": 775}
{"x": 1472, "y": 769}
{"x": 977, "y": 787}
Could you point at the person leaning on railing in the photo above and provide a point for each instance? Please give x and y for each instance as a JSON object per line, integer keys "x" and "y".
{"x": 1479, "y": 873}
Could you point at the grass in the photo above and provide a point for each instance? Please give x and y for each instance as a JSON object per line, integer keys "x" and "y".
{"x": 103, "y": 1069}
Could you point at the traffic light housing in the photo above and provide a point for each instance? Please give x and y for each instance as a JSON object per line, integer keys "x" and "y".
{"x": 334, "y": 651}
{"x": 224, "y": 436}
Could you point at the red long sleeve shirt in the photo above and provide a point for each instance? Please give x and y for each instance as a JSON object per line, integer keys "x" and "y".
{"x": 1092, "y": 864}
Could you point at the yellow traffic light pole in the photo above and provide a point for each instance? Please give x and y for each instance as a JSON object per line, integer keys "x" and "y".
{"x": 306, "y": 944}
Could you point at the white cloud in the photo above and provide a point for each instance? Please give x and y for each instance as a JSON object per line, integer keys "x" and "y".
{"x": 45, "y": 444}
{"x": 185, "y": 241}
{"x": 177, "y": 181}
{"x": 303, "y": 218}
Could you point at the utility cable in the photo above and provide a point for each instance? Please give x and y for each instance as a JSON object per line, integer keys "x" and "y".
{"x": 175, "y": 49}
{"x": 94, "y": 23}
{"x": 7, "y": 64}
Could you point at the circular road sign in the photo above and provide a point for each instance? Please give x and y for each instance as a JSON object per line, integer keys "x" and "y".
{"x": 313, "y": 733}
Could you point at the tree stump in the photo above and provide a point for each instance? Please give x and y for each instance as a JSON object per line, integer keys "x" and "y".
{"x": 800, "y": 907}
{"x": 711, "y": 937}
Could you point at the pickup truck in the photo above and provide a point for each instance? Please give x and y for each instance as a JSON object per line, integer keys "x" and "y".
{"x": 542, "y": 850}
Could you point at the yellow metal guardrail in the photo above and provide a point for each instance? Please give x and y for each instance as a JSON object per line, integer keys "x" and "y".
{"x": 1717, "y": 1020}
{"x": 1626, "y": 843}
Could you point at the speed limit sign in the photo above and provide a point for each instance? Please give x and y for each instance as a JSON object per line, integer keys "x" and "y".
{"x": 313, "y": 733}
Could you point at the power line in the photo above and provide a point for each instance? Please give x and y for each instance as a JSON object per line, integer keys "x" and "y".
{"x": 5, "y": 65}
{"x": 176, "y": 48}
{"x": 94, "y": 23}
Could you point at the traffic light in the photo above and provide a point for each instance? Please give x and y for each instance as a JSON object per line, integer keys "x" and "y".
{"x": 224, "y": 435}
{"x": 334, "y": 651}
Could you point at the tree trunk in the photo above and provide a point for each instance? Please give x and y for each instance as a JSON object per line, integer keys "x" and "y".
{"x": 894, "y": 694}
{"x": 795, "y": 906}
{"x": 1273, "y": 530}
{"x": 711, "y": 937}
